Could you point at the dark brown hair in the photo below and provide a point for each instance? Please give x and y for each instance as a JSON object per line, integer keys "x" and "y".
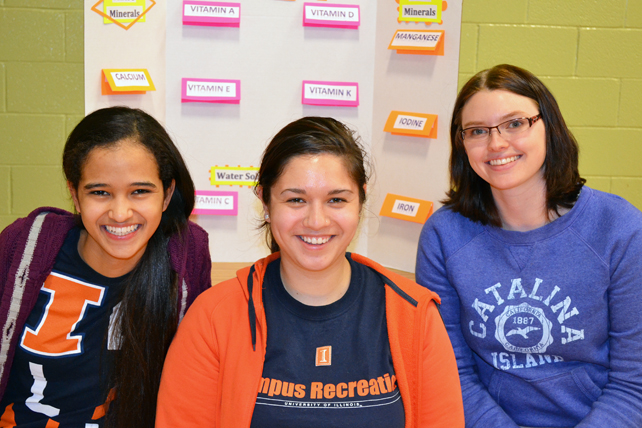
{"x": 148, "y": 313}
{"x": 309, "y": 136}
{"x": 469, "y": 194}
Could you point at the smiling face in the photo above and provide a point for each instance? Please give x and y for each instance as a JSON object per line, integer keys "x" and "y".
{"x": 120, "y": 199}
{"x": 314, "y": 213}
{"x": 508, "y": 166}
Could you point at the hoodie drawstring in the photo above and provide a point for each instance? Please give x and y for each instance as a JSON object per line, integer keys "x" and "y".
{"x": 251, "y": 311}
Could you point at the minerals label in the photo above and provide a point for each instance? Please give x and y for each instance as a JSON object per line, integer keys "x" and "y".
{"x": 124, "y": 12}
{"x": 419, "y": 11}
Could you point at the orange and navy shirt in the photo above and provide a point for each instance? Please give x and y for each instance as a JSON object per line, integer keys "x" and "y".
{"x": 328, "y": 365}
{"x": 59, "y": 376}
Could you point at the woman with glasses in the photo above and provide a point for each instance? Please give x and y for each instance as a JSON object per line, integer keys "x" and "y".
{"x": 539, "y": 275}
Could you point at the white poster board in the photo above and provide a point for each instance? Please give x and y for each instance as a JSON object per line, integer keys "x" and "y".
{"x": 271, "y": 53}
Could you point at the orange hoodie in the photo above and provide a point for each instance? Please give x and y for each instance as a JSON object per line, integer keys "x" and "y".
{"x": 214, "y": 366}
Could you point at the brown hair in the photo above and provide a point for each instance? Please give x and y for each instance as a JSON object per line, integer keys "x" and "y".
{"x": 469, "y": 194}
{"x": 309, "y": 136}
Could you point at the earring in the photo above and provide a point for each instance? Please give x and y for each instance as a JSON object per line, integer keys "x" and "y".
{"x": 266, "y": 216}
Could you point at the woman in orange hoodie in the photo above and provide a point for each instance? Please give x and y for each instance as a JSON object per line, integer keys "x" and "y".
{"x": 312, "y": 335}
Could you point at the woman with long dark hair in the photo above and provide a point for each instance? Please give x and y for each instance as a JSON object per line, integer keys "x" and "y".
{"x": 312, "y": 335}
{"x": 90, "y": 302}
{"x": 539, "y": 274}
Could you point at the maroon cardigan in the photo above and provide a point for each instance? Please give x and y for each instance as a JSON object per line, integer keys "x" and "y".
{"x": 28, "y": 250}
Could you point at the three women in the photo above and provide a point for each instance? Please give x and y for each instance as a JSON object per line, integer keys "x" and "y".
{"x": 538, "y": 275}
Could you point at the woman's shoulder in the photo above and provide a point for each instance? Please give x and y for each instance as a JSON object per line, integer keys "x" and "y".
{"x": 403, "y": 287}
{"x": 612, "y": 204}
{"x": 223, "y": 301}
{"x": 198, "y": 237}
{"x": 449, "y": 231}
{"x": 445, "y": 219}
{"x": 609, "y": 225}
{"x": 191, "y": 243}
{"x": 51, "y": 220}
{"x": 196, "y": 229}
{"x": 607, "y": 213}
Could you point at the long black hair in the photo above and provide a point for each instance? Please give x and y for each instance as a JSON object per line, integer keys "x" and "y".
{"x": 469, "y": 194}
{"x": 148, "y": 314}
{"x": 310, "y": 136}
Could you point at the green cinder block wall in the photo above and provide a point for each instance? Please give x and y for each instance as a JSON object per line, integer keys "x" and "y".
{"x": 41, "y": 99}
{"x": 586, "y": 51}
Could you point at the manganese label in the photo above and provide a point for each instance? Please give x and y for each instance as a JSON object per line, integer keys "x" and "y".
{"x": 416, "y": 39}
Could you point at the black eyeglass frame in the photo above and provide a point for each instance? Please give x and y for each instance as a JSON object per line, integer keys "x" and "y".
{"x": 531, "y": 121}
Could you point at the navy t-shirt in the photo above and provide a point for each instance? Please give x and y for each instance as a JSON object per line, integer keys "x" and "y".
{"x": 328, "y": 366}
{"x": 61, "y": 367}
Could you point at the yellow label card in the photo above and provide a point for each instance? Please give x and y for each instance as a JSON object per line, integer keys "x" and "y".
{"x": 126, "y": 81}
{"x": 123, "y": 11}
{"x": 233, "y": 176}
{"x": 420, "y": 11}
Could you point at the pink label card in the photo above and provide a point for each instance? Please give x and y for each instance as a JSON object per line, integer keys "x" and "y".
{"x": 211, "y": 13}
{"x": 344, "y": 94}
{"x": 210, "y": 91}
{"x": 331, "y": 15}
{"x": 214, "y": 202}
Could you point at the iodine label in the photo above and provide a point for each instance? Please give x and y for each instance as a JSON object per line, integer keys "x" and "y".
{"x": 410, "y": 122}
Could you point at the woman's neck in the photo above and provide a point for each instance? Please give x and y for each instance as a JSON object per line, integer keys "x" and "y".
{"x": 316, "y": 288}
{"x": 523, "y": 209}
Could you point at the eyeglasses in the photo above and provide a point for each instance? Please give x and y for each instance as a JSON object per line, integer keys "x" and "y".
{"x": 509, "y": 130}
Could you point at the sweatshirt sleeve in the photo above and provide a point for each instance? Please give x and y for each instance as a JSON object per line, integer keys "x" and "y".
{"x": 480, "y": 410}
{"x": 8, "y": 238}
{"x": 620, "y": 404}
{"x": 439, "y": 407}
{"x": 189, "y": 383}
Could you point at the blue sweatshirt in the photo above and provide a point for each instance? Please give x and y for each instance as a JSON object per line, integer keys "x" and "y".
{"x": 547, "y": 324}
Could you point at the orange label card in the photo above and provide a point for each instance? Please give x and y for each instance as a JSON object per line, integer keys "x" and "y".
{"x": 404, "y": 208}
{"x": 412, "y": 124}
{"x": 126, "y": 81}
{"x": 418, "y": 42}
